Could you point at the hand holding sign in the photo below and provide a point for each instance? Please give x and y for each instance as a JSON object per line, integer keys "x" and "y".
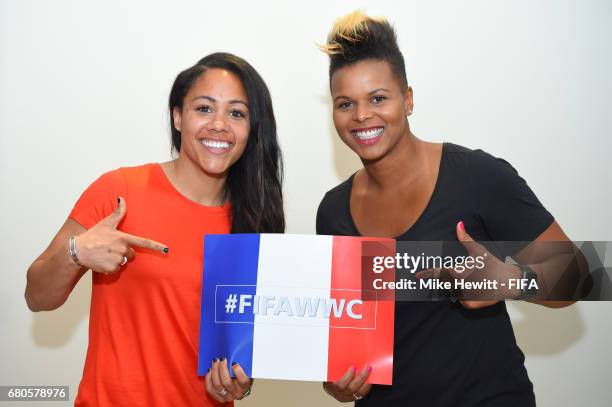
{"x": 351, "y": 386}
{"x": 222, "y": 387}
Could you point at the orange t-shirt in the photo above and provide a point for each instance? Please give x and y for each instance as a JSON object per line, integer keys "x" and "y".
{"x": 144, "y": 321}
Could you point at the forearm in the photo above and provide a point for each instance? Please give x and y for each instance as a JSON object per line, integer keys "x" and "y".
{"x": 50, "y": 281}
{"x": 53, "y": 275}
{"x": 562, "y": 280}
{"x": 558, "y": 281}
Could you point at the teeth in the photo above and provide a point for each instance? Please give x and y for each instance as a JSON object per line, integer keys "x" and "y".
{"x": 368, "y": 134}
{"x": 216, "y": 144}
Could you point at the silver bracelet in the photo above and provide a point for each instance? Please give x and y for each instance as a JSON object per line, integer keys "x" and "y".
{"x": 72, "y": 250}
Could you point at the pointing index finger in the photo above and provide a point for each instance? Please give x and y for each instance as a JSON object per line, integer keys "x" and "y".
{"x": 145, "y": 243}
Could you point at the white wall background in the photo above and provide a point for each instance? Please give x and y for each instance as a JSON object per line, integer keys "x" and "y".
{"x": 83, "y": 87}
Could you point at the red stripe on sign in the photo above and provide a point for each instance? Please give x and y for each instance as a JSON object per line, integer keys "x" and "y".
{"x": 360, "y": 331}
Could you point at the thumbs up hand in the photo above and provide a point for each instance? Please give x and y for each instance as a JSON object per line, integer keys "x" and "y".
{"x": 105, "y": 249}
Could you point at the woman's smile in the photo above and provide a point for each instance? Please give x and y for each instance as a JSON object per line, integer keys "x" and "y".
{"x": 369, "y": 135}
{"x": 216, "y": 146}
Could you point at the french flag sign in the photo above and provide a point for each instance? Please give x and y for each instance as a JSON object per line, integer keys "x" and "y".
{"x": 291, "y": 307}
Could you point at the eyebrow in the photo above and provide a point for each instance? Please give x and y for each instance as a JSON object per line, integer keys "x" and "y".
{"x": 370, "y": 93}
{"x": 378, "y": 90}
{"x": 213, "y": 100}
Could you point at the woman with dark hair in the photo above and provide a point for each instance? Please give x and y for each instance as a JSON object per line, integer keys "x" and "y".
{"x": 445, "y": 353}
{"x": 147, "y": 262}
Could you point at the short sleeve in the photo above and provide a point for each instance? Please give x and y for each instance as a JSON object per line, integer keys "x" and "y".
{"x": 100, "y": 199}
{"x": 508, "y": 209}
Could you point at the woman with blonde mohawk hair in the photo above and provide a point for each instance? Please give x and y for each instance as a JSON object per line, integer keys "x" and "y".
{"x": 446, "y": 353}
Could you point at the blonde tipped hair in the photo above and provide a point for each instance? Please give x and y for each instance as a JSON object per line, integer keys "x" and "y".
{"x": 352, "y": 27}
{"x": 357, "y": 37}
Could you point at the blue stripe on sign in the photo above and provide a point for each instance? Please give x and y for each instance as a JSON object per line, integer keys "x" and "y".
{"x": 228, "y": 287}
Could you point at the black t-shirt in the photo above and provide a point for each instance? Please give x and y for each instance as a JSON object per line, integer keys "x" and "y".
{"x": 444, "y": 354}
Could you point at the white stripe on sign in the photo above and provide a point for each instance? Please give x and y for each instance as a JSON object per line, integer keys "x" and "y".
{"x": 287, "y": 269}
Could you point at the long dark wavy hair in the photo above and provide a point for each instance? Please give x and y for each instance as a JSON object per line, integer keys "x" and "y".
{"x": 254, "y": 182}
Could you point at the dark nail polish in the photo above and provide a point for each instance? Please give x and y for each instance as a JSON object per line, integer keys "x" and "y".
{"x": 215, "y": 360}
{"x": 165, "y": 250}
{"x": 222, "y": 359}
{"x": 234, "y": 363}
{"x": 118, "y": 201}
